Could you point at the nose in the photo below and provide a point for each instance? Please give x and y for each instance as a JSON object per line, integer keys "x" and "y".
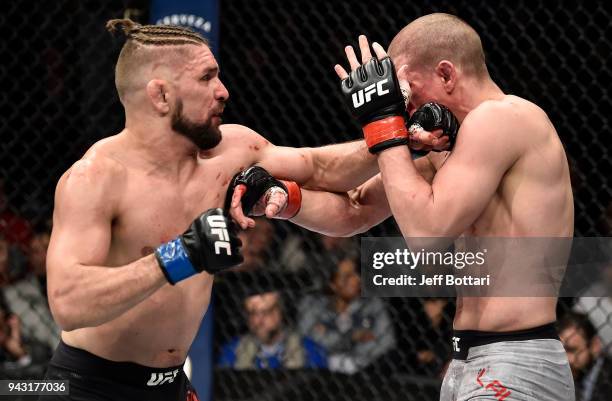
{"x": 221, "y": 92}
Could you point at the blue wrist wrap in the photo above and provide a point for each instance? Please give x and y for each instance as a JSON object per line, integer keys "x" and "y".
{"x": 174, "y": 261}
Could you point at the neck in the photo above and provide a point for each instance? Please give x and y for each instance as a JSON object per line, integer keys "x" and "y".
{"x": 158, "y": 144}
{"x": 473, "y": 93}
{"x": 436, "y": 320}
{"x": 341, "y": 304}
{"x": 275, "y": 339}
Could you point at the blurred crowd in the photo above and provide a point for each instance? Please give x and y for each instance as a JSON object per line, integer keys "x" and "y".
{"x": 28, "y": 334}
{"x": 294, "y": 304}
{"x": 299, "y": 307}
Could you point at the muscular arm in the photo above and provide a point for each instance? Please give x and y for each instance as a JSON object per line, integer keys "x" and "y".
{"x": 335, "y": 213}
{"x": 335, "y": 168}
{"x": 348, "y": 214}
{"x": 82, "y": 292}
{"x": 486, "y": 148}
{"x": 344, "y": 215}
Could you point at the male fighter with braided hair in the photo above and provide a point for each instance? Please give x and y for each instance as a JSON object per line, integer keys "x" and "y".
{"x": 137, "y": 232}
{"x": 507, "y": 176}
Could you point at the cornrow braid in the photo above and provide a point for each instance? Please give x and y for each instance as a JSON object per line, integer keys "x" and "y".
{"x": 146, "y": 44}
{"x": 156, "y": 35}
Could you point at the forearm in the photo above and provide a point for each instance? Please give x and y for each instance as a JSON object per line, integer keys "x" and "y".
{"x": 329, "y": 213}
{"x": 341, "y": 167}
{"x": 367, "y": 205}
{"x": 338, "y": 215}
{"x": 92, "y": 295}
{"x": 409, "y": 194}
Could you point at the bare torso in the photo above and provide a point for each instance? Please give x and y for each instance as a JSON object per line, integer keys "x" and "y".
{"x": 154, "y": 207}
{"x": 534, "y": 199}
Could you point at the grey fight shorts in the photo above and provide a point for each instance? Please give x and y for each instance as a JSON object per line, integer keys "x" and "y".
{"x": 530, "y": 365}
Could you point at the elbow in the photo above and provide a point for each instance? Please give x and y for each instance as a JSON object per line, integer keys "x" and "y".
{"x": 431, "y": 221}
{"x": 64, "y": 312}
{"x": 430, "y": 236}
{"x": 345, "y": 233}
{"x": 357, "y": 221}
{"x": 356, "y": 230}
{"x": 447, "y": 228}
{"x": 344, "y": 228}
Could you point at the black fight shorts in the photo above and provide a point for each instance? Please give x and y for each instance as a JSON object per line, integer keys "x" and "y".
{"x": 92, "y": 378}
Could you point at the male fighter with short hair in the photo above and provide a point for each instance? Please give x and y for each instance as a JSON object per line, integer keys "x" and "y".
{"x": 507, "y": 176}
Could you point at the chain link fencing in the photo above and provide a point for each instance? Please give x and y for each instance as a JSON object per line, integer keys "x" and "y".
{"x": 277, "y": 61}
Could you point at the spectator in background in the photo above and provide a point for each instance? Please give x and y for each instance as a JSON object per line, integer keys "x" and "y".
{"x": 4, "y": 262}
{"x": 12, "y": 262}
{"x": 269, "y": 343}
{"x": 598, "y": 307}
{"x": 300, "y": 252}
{"x": 432, "y": 347}
{"x": 12, "y": 351}
{"x": 13, "y": 228}
{"x": 591, "y": 369}
{"x": 354, "y": 331}
{"x": 256, "y": 247}
{"x": 28, "y": 297}
{"x": 18, "y": 358}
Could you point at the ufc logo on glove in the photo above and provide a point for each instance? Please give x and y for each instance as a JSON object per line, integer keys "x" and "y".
{"x": 219, "y": 228}
{"x": 358, "y": 97}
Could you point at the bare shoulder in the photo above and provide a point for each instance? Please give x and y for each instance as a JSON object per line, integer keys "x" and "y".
{"x": 96, "y": 175}
{"x": 243, "y": 144}
{"x": 510, "y": 113}
{"x": 239, "y": 134}
{"x": 499, "y": 131}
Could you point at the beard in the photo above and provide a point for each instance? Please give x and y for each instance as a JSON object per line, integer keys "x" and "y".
{"x": 203, "y": 135}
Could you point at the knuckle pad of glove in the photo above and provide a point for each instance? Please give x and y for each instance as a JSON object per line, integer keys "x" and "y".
{"x": 199, "y": 241}
{"x": 257, "y": 180}
{"x": 432, "y": 116}
{"x": 346, "y": 84}
{"x": 371, "y": 68}
{"x": 387, "y": 66}
{"x": 362, "y": 74}
{"x": 192, "y": 243}
{"x": 376, "y": 92}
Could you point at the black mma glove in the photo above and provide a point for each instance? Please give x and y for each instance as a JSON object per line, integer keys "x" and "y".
{"x": 373, "y": 95}
{"x": 258, "y": 182}
{"x": 209, "y": 244}
{"x": 432, "y": 116}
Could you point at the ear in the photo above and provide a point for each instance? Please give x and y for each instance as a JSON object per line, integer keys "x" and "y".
{"x": 402, "y": 71}
{"x": 157, "y": 92}
{"x": 448, "y": 75}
